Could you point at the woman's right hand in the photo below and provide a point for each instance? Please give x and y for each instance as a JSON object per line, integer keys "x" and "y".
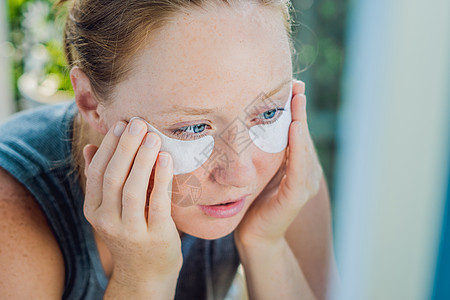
{"x": 145, "y": 245}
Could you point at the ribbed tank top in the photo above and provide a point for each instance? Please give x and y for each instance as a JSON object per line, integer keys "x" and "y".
{"x": 35, "y": 148}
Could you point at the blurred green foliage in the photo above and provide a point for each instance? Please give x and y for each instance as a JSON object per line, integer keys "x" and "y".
{"x": 36, "y": 31}
{"x": 319, "y": 27}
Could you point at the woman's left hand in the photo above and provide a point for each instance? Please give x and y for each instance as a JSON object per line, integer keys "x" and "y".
{"x": 297, "y": 180}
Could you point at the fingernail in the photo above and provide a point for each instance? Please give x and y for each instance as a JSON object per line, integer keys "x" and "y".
{"x": 136, "y": 127}
{"x": 299, "y": 128}
{"x": 119, "y": 129}
{"x": 163, "y": 160}
{"x": 150, "y": 141}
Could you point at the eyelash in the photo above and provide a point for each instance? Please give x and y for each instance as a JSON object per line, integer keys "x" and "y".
{"x": 181, "y": 132}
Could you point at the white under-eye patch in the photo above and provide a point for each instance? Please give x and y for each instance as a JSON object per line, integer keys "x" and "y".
{"x": 190, "y": 155}
{"x": 187, "y": 155}
{"x": 273, "y": 137}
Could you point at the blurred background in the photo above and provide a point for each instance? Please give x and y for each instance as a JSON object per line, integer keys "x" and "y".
{"x": 34, "y": 48}
{"x": 377, "y": 77}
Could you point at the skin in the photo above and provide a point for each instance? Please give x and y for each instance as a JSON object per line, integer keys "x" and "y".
{"x": 284, "y": 239}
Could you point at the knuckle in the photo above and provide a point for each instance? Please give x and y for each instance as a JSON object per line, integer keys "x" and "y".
{"x": 130, "y": 196}
{"x": 124, "y": 147}
{"x": 162, "y": 178}
{"x": 110, "y": 181}
{"x": 146, "y": 159}
{"x": 156, "y": 207}
{"x": 104, "y": 226}
{"x": 110, "y": 146}
{"x": 158, "y": 181}
{"x": 93, "y": 172}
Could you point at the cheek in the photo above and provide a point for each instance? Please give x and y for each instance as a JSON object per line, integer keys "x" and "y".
{"x": 267, "y": 164}
{"x": 111, "y": 115}
{"x": 186, "y": 190}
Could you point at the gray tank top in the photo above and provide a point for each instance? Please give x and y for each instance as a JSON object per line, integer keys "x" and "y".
{"x": 35, "y": 148}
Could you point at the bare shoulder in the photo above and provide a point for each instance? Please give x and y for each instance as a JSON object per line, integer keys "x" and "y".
{"x": 31, "y": 262}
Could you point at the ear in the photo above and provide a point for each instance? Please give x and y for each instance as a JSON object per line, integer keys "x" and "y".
{"x": 88, "y": 104}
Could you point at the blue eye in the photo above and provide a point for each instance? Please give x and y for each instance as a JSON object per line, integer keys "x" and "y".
{"x": 197, "y": 128}
{"x": 269, "y": 116}
{"x": 270, "y": 113}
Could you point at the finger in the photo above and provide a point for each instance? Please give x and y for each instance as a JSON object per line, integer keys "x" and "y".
{"x": 135, "y": 189}
{"x": 159, "y": 209}
{"x": 300, "y": 148}
{"x": 93, "y": 192}
{"x": 88, "y": 153}
{"x": 298, "y": 87}
{"x": 298, "y": 108}
{"x": 119, "y": 167}
{"x": 295, "y": 169}
{"x": 97, "y": 166}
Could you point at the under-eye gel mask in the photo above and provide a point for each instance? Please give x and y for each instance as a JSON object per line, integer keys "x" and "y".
{"x": 189, "y": 155}
{"x": 273, "y": 137}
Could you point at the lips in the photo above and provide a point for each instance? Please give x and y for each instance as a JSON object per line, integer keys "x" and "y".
{"x": 227, "y": 202}
{"x": 221, "y": 204}
{"x": 224, "y": 209}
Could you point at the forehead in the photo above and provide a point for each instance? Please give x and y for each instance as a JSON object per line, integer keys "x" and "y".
{"x": 208, "y": 59}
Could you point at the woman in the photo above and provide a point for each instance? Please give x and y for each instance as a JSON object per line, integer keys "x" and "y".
{"x": 106, "y": 215}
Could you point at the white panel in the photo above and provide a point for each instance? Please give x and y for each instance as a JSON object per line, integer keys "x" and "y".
{"x": 394, "y": 147}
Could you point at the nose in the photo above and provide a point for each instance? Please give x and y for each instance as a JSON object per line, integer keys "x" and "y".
{"x": 232, "y": 162}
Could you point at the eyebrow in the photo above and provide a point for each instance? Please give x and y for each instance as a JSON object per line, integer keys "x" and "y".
{"x": 205, "y": 111}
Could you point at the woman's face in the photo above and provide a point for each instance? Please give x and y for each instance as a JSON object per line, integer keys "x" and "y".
{"x": 219, "y": 61}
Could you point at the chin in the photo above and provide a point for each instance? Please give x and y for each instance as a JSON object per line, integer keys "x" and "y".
{"x": 214, "y": 231}
{"x": 217, "y": 234}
